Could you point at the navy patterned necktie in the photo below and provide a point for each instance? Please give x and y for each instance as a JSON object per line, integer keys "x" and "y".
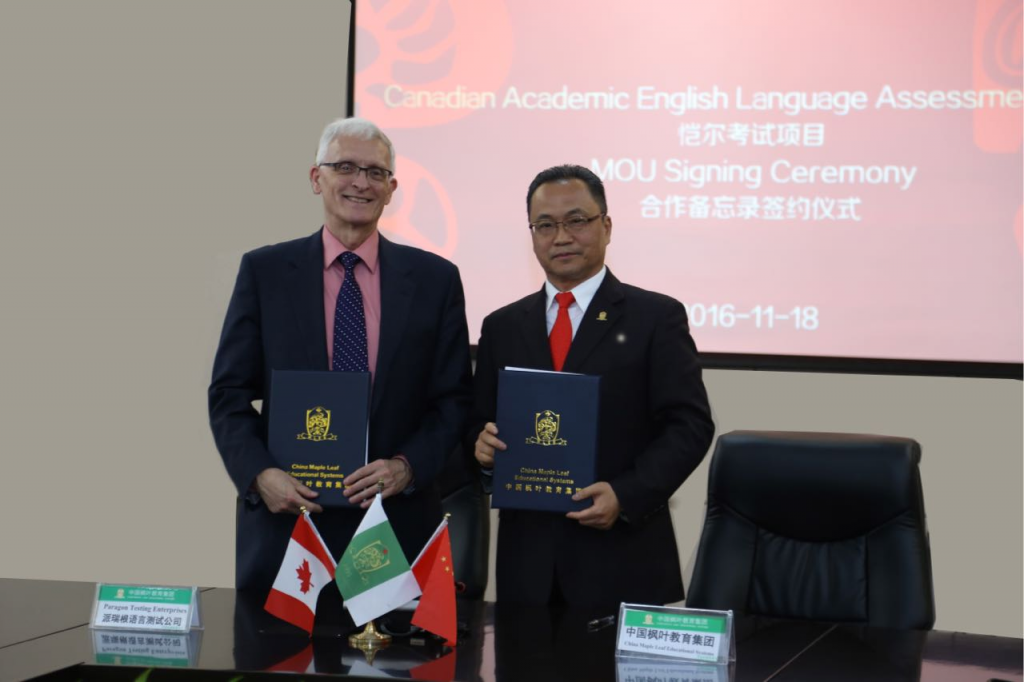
{"x": 349, "y": 322}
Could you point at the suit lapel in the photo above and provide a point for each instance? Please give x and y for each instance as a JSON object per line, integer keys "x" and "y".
{"x": 602, "y": 314}
{"x": 397, "y": 289}
{"x": 535, "y": 335}
{"x": 305, "y": 289}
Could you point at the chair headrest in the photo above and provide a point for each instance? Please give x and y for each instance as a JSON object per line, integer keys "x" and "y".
{"x": 816, "y": 487}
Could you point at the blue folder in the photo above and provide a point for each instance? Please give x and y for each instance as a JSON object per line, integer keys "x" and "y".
{"x": 318, "y": 428}
{"x": 548, "y": 420}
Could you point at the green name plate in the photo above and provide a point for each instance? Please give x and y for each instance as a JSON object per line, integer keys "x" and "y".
{"x": 142, "y": 608}
{"x": 662, "y": 632}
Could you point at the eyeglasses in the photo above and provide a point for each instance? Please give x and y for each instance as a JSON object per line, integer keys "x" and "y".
{"x": 373, "y": 173}
{"x": 573, "y": 225}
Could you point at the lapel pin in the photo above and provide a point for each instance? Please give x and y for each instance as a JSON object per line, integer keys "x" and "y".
{"x": 602, "y": 316}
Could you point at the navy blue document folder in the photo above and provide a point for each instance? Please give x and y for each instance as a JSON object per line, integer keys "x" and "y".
{"x": 548, "y": 420}
{"x": 318, "y": 428}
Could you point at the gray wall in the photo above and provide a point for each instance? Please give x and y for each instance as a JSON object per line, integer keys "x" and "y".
{"x": 144, "y": 147}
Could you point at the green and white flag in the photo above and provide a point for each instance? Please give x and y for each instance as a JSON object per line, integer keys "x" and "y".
{"x": 373, "y": 574}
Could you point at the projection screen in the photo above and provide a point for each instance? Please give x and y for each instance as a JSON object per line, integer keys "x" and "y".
{"x": 814, "y": 179}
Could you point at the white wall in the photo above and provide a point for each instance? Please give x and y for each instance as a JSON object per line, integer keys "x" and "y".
{"x": 144, "y": 147}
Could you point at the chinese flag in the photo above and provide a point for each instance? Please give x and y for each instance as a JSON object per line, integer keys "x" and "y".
{"x": 439, "y": 670}
{"x": 435, "y": 574}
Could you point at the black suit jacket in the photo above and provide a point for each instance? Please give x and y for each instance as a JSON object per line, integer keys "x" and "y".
{"x": 420, "y": 398}
{"x": 655, "y": 428}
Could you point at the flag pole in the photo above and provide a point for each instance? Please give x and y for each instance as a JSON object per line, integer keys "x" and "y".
{"x": 370, "y": 640}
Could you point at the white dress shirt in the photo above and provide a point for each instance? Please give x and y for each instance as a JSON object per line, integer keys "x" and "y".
{"x": 583, "y": 293}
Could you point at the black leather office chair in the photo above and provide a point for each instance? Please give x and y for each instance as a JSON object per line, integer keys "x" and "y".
{"x": 819, "y": 526}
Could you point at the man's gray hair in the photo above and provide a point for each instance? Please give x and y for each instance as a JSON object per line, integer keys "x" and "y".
{"x": 358, "y": 128}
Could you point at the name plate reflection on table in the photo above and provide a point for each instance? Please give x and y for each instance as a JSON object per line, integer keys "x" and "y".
{"x": 639, "y": 670}
{"x": 318, "y": 428}
{"x": 146, "y": 649}
{"x": 548, "y": 420}
{"x": 664, "y": 632}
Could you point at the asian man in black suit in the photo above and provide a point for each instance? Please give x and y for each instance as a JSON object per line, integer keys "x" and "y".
{"x": 654, "y": 426}
{"x": 285, "y": 314}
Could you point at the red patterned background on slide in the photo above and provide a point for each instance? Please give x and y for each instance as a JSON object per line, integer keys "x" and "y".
{"x": 840, "y": 179}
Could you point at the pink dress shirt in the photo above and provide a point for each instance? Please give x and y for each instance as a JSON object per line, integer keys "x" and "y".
{"x": 368, "y": 278}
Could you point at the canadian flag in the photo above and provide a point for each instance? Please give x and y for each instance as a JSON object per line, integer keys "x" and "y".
{"x": 307, "y": 568}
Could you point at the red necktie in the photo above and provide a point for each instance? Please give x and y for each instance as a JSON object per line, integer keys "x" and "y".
{"x": 561, "y": 333}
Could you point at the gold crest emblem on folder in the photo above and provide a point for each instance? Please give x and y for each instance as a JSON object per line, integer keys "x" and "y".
{"x": 546, "y": 425}
{"x": 318, "y": 426}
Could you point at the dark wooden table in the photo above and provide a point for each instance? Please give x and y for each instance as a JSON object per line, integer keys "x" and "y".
{"x": 43, "y": 630}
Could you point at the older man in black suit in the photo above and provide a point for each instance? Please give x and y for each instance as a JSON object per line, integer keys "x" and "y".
{"x": 654, "y": 425}
{"x": 410, "y": 332}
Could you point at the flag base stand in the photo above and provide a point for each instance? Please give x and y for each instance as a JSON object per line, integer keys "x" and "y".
{"x": 369, "y": 640}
